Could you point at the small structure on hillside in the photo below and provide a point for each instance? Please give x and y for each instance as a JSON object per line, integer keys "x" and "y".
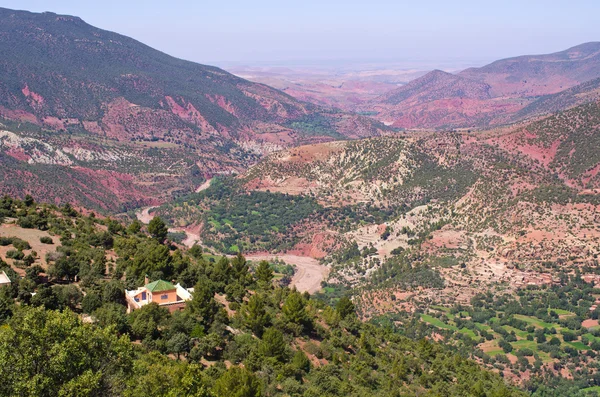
{"x": 4, "y": 280}
{"x": 164, "y": 293}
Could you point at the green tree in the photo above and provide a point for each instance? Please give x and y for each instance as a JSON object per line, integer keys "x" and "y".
{"x": 135, "y": 227}
{"x": 264, "y": 275}
{"x": 294, "y": 312}
{"x": 91, "y": 302}
{"x": 158, "y": 229}
{"x": 28, "y": 201}
{"x": 237, "y": 382}
{"x": 254, "y": 314}
{"x": 344, "y": 307}
{"x": 301, "y": 362}
{"x": 114, "y": 292}
{"x": 45, "y": 297}
{"x": 240, "y": 271}
{"x": 47, "y": 353}
{"x": 146, "y": 320}
{"x": 203, "y": 305}
{"x": 179, "y": 344}
{"x": 112, "y": 314}
{"x": 273, "y": 345}
{"x": 68, "y": 296}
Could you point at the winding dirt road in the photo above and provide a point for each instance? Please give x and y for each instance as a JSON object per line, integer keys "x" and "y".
{"x": 309, "y": 273}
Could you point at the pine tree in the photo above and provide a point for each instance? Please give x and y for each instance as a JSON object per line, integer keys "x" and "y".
{"x": 344, "y": 307}
{"x": 254, "y": 315}
{"x": 273, "y": 345}
{"x": 264, "y": 275}
{"x": 158, "y": 229}
{"x": 294, "y": 312}
{"x": 237, "y": 382}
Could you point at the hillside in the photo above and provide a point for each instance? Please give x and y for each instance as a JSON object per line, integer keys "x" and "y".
{"x": 437, "y": 99}
{"x": 241, "y": 334}
{"x": 60, "y": 75}
{"x": 502, "y": 92}
{"x": 60, "y": 72}
{"x": 533, "y": 75}
{"x": 565, "y": 143}
{"x": 547, "y": 104}
{"x": 433, "y": 229}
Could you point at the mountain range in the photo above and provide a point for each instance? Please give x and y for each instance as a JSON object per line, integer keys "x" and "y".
{"x": 502, "y": 92}
{"x": 70, "y": 85}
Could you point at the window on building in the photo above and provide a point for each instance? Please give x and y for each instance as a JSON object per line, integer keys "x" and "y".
{"x": 163, "y": 297}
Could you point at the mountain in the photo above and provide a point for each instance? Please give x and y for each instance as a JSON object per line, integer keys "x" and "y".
{"x": 580, "y": 94}
{"x": 565, "y": 143}
{"x": 436, "y": 99}
{"x": 58, "y": 74}
{"x": 533, "y": 75}
{"x": 62, "y": 73}
{"x": 500, "y": 203}
{"x": 504, "y": 91}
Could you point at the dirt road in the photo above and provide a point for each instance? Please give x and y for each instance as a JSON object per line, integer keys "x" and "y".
{"x": 309, "y": 273}
{"x": 204, "y": 186}
{"x": 144, "y": 216}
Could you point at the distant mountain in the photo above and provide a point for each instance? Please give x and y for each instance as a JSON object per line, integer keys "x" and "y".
{"x": 438, "y": 100}
{"x": 59, "y": 74}
{"x": 580, "y": 94}
{"x": 437, "y": 85}
{"x": 533, "y": 75}
{"x": 502, "y": 92}
{"x": 62, "y": 73}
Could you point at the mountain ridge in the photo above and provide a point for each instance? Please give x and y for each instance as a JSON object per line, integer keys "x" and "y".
{"x": 510, "y": 90}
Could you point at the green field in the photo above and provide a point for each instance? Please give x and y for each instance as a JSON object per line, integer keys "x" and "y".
{"x": 437, "y": 322}
{"x": 535, "y": 321}
{"x": 561, "y": 312}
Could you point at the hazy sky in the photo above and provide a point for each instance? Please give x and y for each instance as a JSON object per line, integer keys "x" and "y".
{"x": 345, "y": 31}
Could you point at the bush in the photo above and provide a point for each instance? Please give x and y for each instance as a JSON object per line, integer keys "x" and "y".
{"x": 20, "y": 244}
{"x": 46, "y": 240}
{"x": 14, "y": 254}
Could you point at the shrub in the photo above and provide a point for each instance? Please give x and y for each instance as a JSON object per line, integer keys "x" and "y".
{"x": 20, "y": 244}
{"x": 14, "y": 254}
{"x": 46, "y": 240}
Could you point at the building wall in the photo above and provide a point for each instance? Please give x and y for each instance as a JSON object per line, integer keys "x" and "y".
{"x": 176, "y": 307}
{"x": 171, "y": 296}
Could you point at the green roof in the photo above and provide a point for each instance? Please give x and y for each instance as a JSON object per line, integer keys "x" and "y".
{"x": 159, "y": 285}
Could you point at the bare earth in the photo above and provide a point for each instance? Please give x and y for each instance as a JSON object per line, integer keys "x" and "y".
{"x": 204, "y": 186}
{"x": 309, "y": 273}
{"x": 144, "y": 215}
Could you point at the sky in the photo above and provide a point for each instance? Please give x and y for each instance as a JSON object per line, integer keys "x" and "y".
{"x": 340, "y": 32}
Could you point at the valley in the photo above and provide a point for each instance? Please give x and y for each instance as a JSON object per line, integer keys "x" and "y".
{"x": 171, "y": 228}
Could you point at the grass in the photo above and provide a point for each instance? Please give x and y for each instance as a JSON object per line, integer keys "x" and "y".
{"x": 494, "y": 352}
{"x": 535, "y": 321}
{"x": 518, "y": 332}
{"x": 562, "y": 312}
{"x": 592, "y": 390}
{"x": 591, "y": 337}
{"x": 578, "y": 345}
{"x": 525, "y": 344}
{"x": 437, "y": 322}
{"x": 482, "y": 326}
{"x": 469, "y": 332}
